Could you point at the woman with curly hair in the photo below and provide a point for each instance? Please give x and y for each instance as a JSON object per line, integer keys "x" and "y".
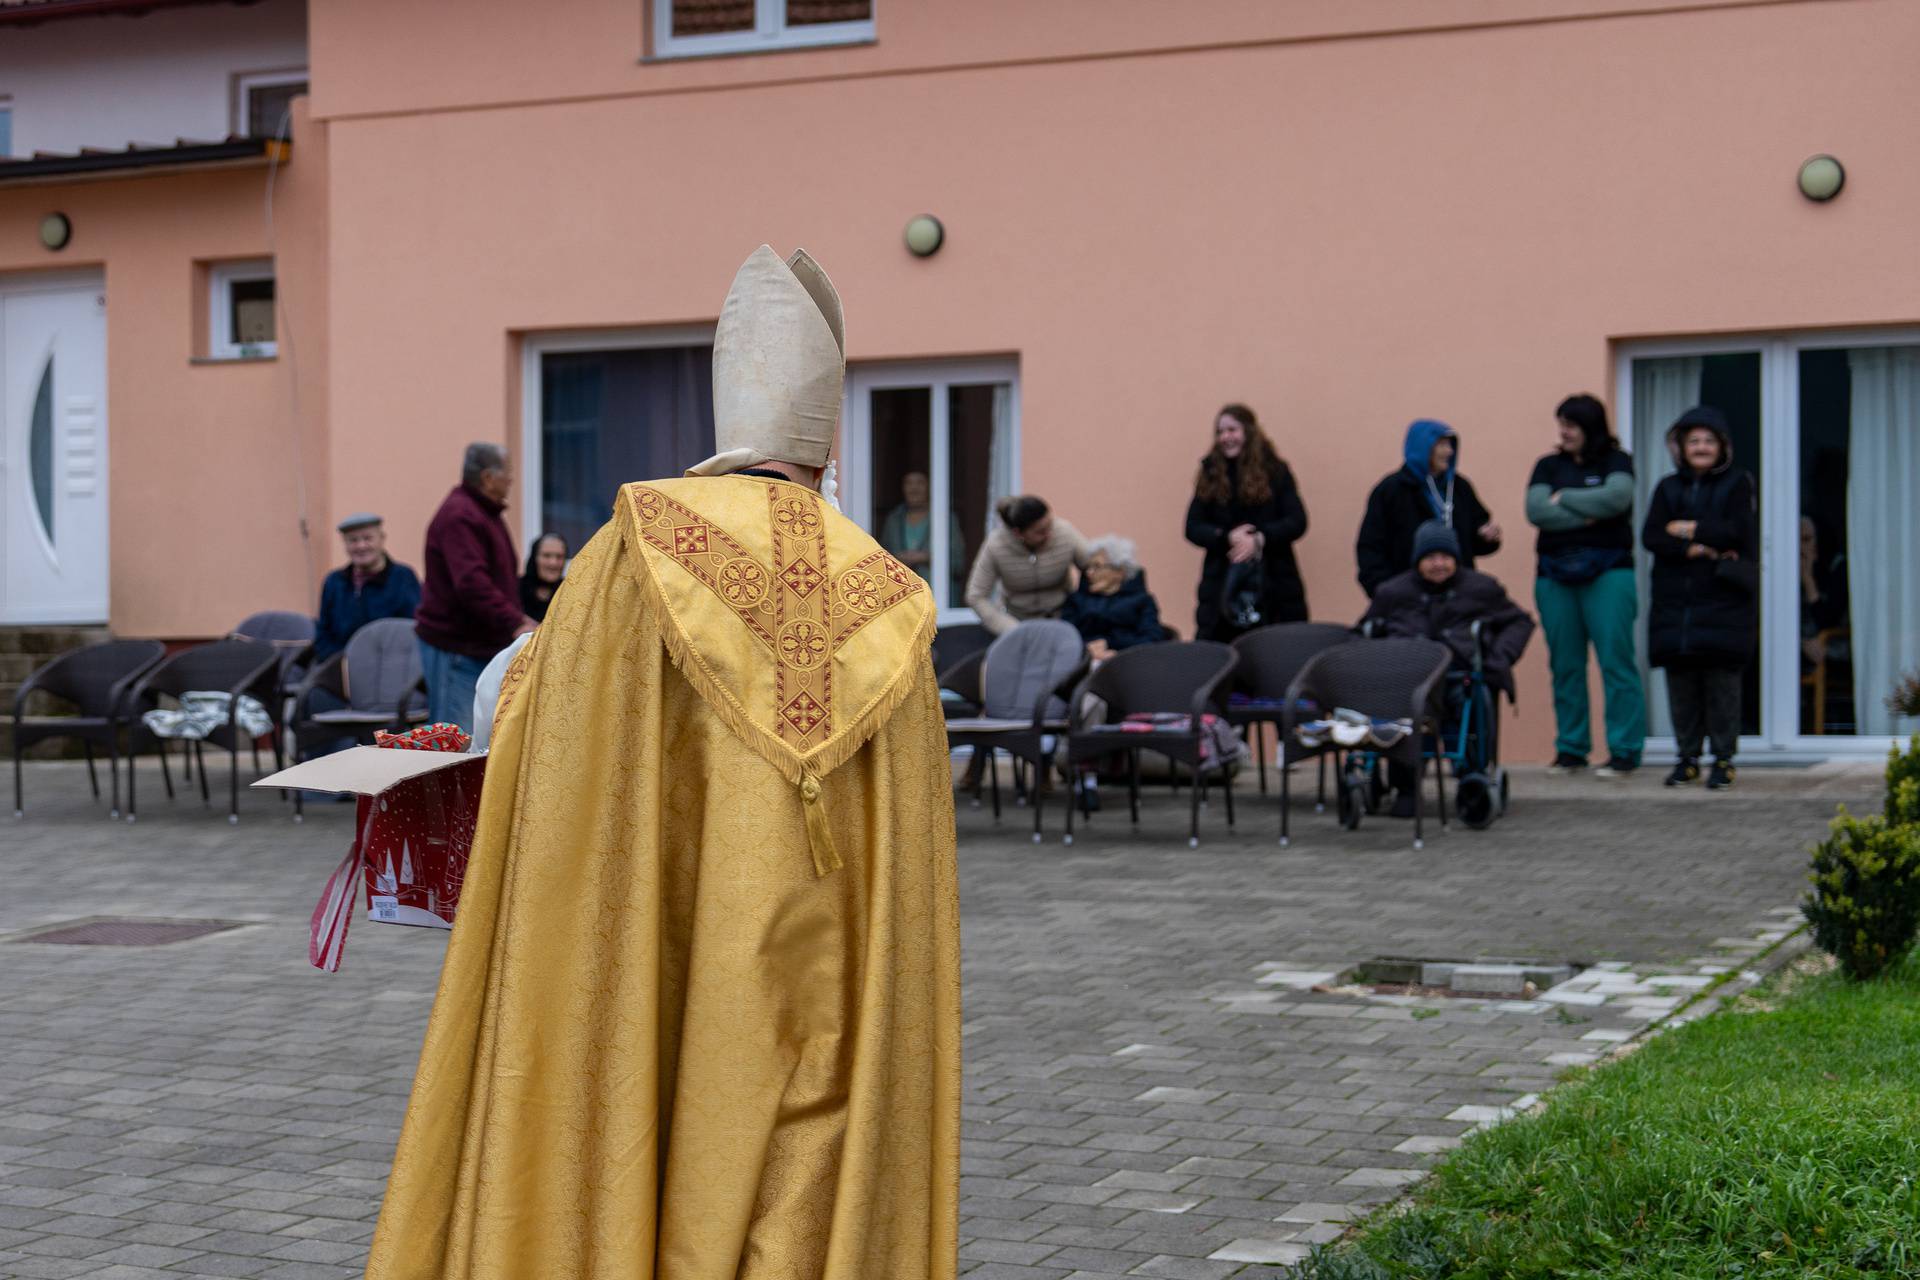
{"x": 1246, "y": 515}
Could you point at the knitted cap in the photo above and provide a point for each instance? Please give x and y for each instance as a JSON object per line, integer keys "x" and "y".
{"x": 1434, "y": 536}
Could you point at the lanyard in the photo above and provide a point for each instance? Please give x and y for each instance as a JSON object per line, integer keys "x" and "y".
{"x": 1445, "y": 504}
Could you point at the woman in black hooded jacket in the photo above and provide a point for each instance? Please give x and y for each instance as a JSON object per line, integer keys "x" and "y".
{"x": 1703, "y": 530}
{"x": 1246, "y": 509}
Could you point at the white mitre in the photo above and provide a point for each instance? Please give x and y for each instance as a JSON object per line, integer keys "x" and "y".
{"x": 779, "y": 356}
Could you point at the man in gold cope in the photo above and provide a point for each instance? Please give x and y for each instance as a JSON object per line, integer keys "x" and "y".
{"x": 700, "y": 1014}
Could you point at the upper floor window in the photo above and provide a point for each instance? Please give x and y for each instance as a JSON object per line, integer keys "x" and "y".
{"x": 6, "y": 127}
{"x": 262, "y": 101}
{"x": 687, "y": 28}
{"x": 242, "y": 324}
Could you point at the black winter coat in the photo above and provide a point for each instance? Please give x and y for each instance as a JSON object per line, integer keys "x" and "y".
{"x": 1397, "y": 506}
{"x": 1695, "y": 615}
{"x": 1124, "y": 619}
{"x": 1283, "y": 519}
{"x": 1407, "y": 606}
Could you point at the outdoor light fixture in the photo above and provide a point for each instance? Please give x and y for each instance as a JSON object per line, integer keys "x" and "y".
{"x": 925, "y": 235}
{"x": 55, "y": 231}
{"x": 1821, "y": 178}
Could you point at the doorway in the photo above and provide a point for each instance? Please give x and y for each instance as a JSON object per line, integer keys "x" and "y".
{"x": 930, "y": 448}
{"x": 1829, "y": 424}
{"x": 53, "y": 450}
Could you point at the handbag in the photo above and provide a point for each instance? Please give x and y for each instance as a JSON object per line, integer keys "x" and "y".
{"x": 1742, "y": 575}
{"x": 1240, "y": 595}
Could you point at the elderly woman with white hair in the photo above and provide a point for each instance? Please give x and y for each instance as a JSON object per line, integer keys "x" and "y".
{"x": 1111, "y": 607}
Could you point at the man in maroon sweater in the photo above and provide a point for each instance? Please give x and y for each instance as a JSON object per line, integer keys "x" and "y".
{"x": 470, "y": 604}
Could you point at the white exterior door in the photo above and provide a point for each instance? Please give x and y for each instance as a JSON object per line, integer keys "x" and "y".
{"x": 53, "y": 451}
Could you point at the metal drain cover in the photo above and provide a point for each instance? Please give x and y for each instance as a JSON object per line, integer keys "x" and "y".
{"x": 128, "y": 933}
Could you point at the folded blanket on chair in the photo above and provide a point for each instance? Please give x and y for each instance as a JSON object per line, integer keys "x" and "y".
{"x": 200, "y": 713}
{"x": 1219, "y": 744}
{"x": 1348, "y": 728}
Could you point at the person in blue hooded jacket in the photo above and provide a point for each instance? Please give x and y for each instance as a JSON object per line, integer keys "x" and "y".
{"x": 1428, "y": 486}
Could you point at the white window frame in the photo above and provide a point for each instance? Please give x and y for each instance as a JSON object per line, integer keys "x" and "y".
{"x": 1780, "y": 740}
{"x": 528, "y": 468}
{"x": 247, "y": 81}
{"x": 770, "y": 33}
{"x": 221, "y": 278}
{"x": 856, "y": 452}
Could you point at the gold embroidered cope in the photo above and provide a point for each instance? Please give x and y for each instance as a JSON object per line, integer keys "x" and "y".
{"x": 747, "y": 572}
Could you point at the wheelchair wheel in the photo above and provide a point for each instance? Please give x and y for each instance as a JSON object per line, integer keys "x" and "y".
{"x": 1377, "y": 789}
{"x": 1476, "y": 800}
{"x": 1354, "y": 791}
{"x": 1506, "y": 787}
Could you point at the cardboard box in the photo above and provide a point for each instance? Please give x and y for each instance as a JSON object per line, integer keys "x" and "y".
{"x": 413, "y": 831}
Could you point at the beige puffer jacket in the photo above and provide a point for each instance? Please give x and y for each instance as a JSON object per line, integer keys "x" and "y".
{"x": 1010, "y": 583}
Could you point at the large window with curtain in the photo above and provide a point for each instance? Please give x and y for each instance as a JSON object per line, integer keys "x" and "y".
{"x": 1830, "y": 427}
{"x": 611, "y": 415}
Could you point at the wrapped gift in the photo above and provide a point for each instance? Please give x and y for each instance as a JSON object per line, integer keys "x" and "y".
{"x": 419, "y": 797}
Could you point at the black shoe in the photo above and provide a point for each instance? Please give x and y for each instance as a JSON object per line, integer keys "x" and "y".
{"x": 1402, "y": 805}
{"x": 1567, "y": 762}
{"x": 1684, "y": 774}
{"x": 1616, "y": 767}
{"x": 1721, "y": 777}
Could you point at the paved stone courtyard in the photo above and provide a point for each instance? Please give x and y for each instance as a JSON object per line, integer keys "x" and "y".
{"x": 1154, "y": 1085}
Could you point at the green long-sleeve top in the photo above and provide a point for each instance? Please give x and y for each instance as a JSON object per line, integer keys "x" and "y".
{"x": 1595, "y": 507}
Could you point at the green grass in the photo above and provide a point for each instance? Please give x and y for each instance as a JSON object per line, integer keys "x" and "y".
{"x": 1770, "y": 1144}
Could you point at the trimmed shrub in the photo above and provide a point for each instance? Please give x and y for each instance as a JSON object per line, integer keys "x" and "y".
{"x": 1903, "y": 784}
{"x": 1865, "y": 904}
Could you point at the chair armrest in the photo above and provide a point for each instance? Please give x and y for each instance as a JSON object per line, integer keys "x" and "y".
{"x": 1209, "y": 693}
{"x": 27, "y": 686}
{"x": 119, "y": 694}
{"x": 1296, "y": 693}
{"x": 403, "y": 708}
{"x": 1065, "y": 689}
{"x": 1478, "y": 631}
{"x": 963, "y": 677}
{"x": 323, "y": 675}
{"x": 1077, "y": 699}
{"x": 1423, "y": 693}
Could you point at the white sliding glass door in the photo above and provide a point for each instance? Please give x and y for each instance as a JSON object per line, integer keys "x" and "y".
{"x": 929, "y": 450}
{"x": 1830, "y": 426}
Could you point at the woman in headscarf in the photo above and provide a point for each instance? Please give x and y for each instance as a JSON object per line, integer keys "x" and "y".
{"x": 546, "y": 568}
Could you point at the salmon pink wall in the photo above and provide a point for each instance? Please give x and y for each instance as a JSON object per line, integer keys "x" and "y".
{"x": 201, "y": 456}
{"x": 1345, "y": 233}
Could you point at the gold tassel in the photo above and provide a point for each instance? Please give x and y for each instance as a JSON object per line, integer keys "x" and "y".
{"x": 826, "y": 858}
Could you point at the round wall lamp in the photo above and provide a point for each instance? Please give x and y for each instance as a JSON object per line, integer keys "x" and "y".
{"x": 1821, "y": 178}
{"x": 925, "y": 235}
{"x": 55, "y": 231}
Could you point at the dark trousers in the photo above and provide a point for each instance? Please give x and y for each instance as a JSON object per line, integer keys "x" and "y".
{"x": 1706, "y": 705}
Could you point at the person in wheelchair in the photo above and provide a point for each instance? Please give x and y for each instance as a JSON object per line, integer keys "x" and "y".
{"x": 1436, "y": 599}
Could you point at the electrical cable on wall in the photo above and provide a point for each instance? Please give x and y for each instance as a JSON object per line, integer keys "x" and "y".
{"x": 283, "y": 139}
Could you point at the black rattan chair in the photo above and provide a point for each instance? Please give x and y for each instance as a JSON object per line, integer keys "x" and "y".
{"x": 1385, "y": 679}
{"x": 1189, "y": 678}
{"x": 289, "y": 633}
{"x": 1270, "y": 658}
{"x": 377, "y": 676}
{"x": 94, "y": 681}
{"x": 233, "y": 667}
{"x": 1023, "y": 682}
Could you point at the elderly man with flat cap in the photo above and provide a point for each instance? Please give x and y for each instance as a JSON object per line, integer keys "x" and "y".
{"x": 371, "y": 585}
